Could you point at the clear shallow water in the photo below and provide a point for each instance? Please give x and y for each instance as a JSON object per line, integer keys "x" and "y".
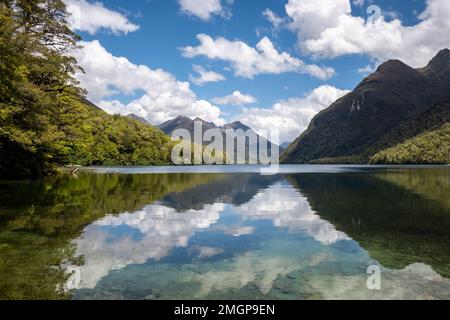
{"x": 305, "y": 235}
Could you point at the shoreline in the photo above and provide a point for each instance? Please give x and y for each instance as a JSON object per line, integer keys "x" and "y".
{"x": 236, "y": 169}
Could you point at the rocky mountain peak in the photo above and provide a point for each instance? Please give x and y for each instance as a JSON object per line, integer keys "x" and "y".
{"x": 236, "y": 126}
{"x": 395, "y": 69}
{"x": 439, "y": 68}
{"x": 441, "y": 60}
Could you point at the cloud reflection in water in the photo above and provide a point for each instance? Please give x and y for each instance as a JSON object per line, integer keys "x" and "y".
{"x": 152, "y": 233}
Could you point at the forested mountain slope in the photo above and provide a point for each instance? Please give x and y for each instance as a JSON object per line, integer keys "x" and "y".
{"x": 394, "y": 104}
{"x": 45, "y": 120}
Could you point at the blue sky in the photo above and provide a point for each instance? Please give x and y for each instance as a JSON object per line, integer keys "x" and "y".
{"x": 155, "y": 34}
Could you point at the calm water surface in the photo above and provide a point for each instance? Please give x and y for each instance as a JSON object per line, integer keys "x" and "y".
{"x": 309, "y": 232}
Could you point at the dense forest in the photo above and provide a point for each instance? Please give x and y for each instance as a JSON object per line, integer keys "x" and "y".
{"x": 428, "y": 148}
{"x": 45, "y": 121}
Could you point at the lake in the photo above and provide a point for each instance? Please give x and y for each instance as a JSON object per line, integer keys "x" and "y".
{"x": 309, "y": 232}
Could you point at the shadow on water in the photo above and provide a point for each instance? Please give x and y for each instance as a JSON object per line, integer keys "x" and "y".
{"x": 399, "y": 216}
{"x": 235, "y": 189}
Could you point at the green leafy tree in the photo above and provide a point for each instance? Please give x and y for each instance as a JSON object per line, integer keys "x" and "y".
{"x": 36, "y": 76}
{"x": 45, "y": 120}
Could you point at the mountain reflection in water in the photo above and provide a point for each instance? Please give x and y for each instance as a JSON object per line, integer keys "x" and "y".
{"x": 229, "y": 236}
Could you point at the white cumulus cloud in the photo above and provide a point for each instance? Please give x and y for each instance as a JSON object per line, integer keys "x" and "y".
{"x": 250, "y": 61}
{"x": 91, "y": 17}
{"x": 236, "y": 99}
{"x": 204, "y": 9}
{"x": 292, "y": 116}
{"x": 327, "y": 29}
{"x": 205, "y": 76}
{"x": 163, "y": 96}
{"x": 287, "y": 208}
{"x": 276, "y": 21}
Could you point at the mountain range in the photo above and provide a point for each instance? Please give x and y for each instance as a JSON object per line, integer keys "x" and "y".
{"x": 183, "y": 122}
{"x": 385, "y": 119}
